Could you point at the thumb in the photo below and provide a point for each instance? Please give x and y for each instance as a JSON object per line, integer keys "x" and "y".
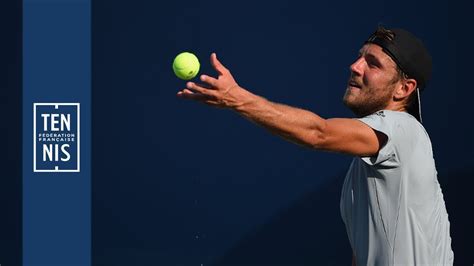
{"x": 218, "y": 66}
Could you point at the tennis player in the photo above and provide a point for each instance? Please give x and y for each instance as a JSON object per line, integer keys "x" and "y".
{"x": 391, "y": 201}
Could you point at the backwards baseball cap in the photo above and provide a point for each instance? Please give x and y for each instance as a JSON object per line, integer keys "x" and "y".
{"x": 412, "y": 58}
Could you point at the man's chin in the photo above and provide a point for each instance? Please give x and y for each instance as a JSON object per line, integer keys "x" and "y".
{"x": 349, "y": 101}
{"x": 357, "y": 109}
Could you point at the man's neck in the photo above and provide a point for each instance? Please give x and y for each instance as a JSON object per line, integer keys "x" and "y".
{"x": 396, "y": 106}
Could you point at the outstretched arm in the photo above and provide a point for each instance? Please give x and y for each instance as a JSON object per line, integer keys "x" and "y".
{"x": 294, "y": 124}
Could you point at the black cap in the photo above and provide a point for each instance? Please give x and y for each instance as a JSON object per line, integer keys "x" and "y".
{"x": 412, "y": 58}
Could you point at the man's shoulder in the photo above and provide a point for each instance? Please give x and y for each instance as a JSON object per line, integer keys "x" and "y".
{"x": 394, "y": 114}
{"x": 395, "y": 123}
{"x": 397, "y": 117}
{"x": 404, "y": 126}
{"x": 388, "y": 118}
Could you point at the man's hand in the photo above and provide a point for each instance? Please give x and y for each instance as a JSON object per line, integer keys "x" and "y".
{"x": 221, "y": 92}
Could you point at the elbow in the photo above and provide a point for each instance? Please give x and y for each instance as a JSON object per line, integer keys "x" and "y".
{"x": 319, "y": 136}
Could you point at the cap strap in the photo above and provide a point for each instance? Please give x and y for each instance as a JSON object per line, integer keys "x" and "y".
{"x": 419, "y": 104}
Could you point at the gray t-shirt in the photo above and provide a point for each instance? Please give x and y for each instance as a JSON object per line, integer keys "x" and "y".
{"x": 392, "y": 204}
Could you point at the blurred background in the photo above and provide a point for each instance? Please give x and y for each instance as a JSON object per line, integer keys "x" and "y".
{"x": 175, "y": 182}
{"x": 179, "y": 183}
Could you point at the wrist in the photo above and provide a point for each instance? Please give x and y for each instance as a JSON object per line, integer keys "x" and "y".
{"x": 245, "y": 99}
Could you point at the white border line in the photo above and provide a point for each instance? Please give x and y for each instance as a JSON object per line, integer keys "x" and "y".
{"x": 34, "y": 137}
{"x": 78, "y": 168}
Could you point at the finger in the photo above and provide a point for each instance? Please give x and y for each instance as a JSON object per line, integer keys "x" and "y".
{"x": 199, "y": 88}
{"x": 184, "y": 92}
{"x": 218, "y": 66}
{"x": 212, "y": 102}
{"x": 202, "y": 86}
{"x": 195, "y": 88}
{"x": 209, "y": 80}
{"x": 188, "y": 94}
{"x": 197, "y": 97}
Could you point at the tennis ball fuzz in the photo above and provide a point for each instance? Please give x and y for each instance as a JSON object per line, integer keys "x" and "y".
{"x": 186, "y": 66}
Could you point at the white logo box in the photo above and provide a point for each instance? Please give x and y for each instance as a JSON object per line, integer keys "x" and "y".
{"x": 56, "y": 106}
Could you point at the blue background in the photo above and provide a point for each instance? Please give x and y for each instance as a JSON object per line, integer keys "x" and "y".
{"x": 179, "y": 183}
{"x": 166, "y": 170}
{"x": 57, "y": 68}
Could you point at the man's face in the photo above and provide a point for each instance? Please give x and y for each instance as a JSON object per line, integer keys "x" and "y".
{"x": 372, "y": 81}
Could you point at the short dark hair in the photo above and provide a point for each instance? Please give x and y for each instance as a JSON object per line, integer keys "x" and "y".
{"x": 384, "y": 33}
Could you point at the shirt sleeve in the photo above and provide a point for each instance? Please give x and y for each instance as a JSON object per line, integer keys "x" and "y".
{"x": 382, "y": 122}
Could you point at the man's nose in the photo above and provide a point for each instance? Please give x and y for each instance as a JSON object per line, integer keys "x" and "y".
{"x": 356, "y": 67}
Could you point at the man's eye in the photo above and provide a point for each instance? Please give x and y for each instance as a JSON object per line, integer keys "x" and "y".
{"x": 371, "y": 63}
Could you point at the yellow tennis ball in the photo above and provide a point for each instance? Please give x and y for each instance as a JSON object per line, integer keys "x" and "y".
{"x": 186, "y": 66}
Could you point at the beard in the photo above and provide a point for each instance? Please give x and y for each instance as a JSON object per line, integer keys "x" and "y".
{"x": 367, "y": 100}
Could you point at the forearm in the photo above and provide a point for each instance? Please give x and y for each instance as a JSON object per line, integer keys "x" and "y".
{"x": 293, "y": 124}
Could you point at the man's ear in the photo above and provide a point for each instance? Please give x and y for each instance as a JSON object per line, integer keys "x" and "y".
{"x": 404, "y": 90}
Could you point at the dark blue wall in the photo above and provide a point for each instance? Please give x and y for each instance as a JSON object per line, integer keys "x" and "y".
{"x": 179, "y": 183}
{"x": 175, "y": 182}
{"x": 10, "y": 132}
